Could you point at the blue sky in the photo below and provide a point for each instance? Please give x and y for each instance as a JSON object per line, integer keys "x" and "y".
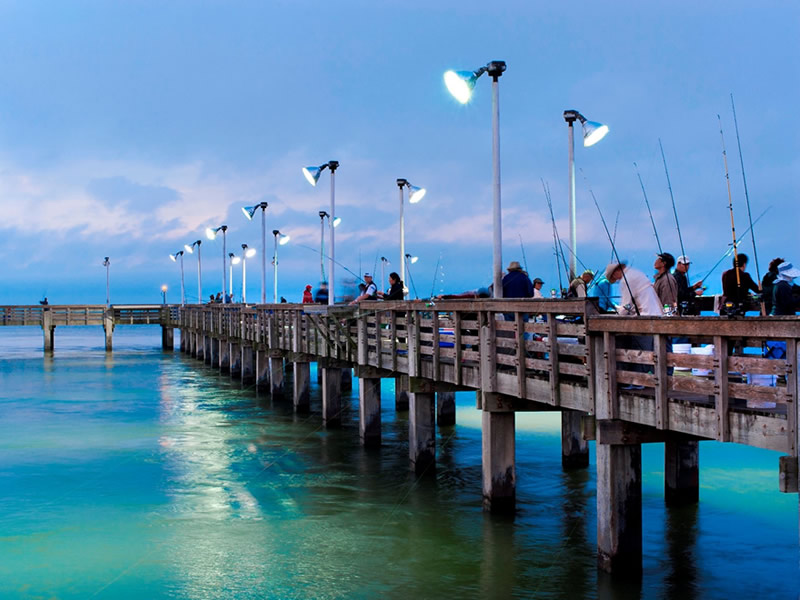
{"x": 126, "y": 128}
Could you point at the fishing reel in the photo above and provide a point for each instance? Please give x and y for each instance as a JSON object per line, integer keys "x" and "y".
{"x": 733, "y": 310}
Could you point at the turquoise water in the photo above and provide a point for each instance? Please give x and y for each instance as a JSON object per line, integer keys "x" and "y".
{"x": 143, "y": 474}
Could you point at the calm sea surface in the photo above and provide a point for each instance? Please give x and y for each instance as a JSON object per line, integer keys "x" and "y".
{"x": 143, "y": 474}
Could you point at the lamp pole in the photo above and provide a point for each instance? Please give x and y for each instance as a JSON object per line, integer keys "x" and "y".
{"x": 164, "y": 294}
{"x": 275, "y": 233}
{"x": 263, "y": 253}
{"x": 107, "y": 264}
{"x": 174, "y": 257}
{"x": 593, "y": 132}
{"x": 384, "y": 262}
{"x": 231, "y": 256}
{"x": 322, "y": 215}
{"x": 401, "y": 183}
{"x": 244, "y": 273}
{"x": 312, "y": 175}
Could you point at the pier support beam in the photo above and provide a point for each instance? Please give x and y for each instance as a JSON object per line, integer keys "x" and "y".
{"x": 619, "y": 508}
{"x": 369, "y": 410}
{"x": 201, "y": 346}
{"x": 445, "y": 408}
{"x": 574, "y": 449}
{"x": 236, "y": 360}
{"x": 108, "y": 329}
{"x": 347, "y": 379}
{"x": 276, "y": 376}
{"x": 422, "y": 425}
{"x": 167, "y": 337}
{"x": 215, "y": 344}
{"x": 262, "y": 370}
{"x": 48, "y": 330}
{"x": 401, "y": 393}
{"x": 248, "y": 368}
{"x": 191, "y": 343}
{"x": 681, "y": 472}
{"x": 208, "y": 343}
{"x": 498, "y": 447}
{"x": 332, "y": 396}
{"x": 183, "y": 335}
{"x": 224, "y": 355}
{"x": 302, "y": 386}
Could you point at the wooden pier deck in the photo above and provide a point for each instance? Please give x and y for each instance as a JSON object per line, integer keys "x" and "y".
{"x": 615, "y": 380}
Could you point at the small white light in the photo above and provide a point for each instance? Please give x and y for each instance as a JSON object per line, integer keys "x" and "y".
{"x": 460, "y": 84}
{"x": 250, "y": 252}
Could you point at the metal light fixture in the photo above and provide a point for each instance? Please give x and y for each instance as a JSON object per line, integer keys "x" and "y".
{"x": 164, "y": 294}
{"x": 107, "y": 265}
{"x": 460, "y": 84}
{"x": 211, "y": 233}
{"x": 190, "y": 249}
{"x": 174, "y": 258}
{"x": 415, "y": 194}
{"x": 384, "y": 262}
{"x": 280, "y": 239}
{"x": 247, "y": 252}
{"x": 232, "y": 260}
{"x": 593, "y": 132}
{"x": 322, "y": 216}
{"x": 410, "y": 260}
{"x": 312, "y": 176}
{"x": 249, "y": 212}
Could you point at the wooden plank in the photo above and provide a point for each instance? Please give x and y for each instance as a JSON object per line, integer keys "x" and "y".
{"x": 436, "y": 340}
{"x": 521, "y": 355}
{"x": 792, "y": 388}
{"x": 762, "y": 366}
{"x": 457, "y": 346}
{"x": 642, "y": 357}
{"x": 488, "y": 352}
{"x": 610, "y": 369}
{"x": 552, "y": 342}
{"x": 662, "y": 381}
{"x": 757, "y": 328}
{"x": 721, "y": 388}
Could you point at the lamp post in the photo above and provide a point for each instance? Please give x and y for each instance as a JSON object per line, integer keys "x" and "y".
{"x": 312, "y": 176}
{"x": 190, "y": 249}
{"x": 384, "y": 262}
{"x": 282, "y": 239}
{"x": 107, "y": 264}
{"x": 415, "y": 194}
{"x": 211, "y": 234}
{"x": 233, "y": 260}
{"x": 592, "y": 133}
{"x": 246, "y": 253}
{"x": 336, "y": 221}
{"x": 164, "y": 294}
{"x": 174, "y": 258}
{"x": 460, "y": 85}
{"x": 249, "y": 211}
{"x": 410, "y": 260}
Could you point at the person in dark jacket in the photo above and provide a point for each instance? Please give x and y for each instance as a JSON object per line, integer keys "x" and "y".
{"x": 782, "y": 300}
{"x": 395, "y": 290}
{"x": 516, "y": 283}
{"x": 321, "y": 297}
{"x": 686, "y": 293}
{"x": 768, "y": 283}
{"x": 731, "y": 293}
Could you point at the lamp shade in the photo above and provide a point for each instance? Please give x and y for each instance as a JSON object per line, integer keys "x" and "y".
{"x": 593, "y": 132}
{"x": 284, "y": 239}
{"x": 235, "y": 260}
{"x": 412, "y": 259}
{"x": 312, "y": 174}
{"x": 249, "y": 252}
{"x": 336, "y": 221}
{"x": 188, "y": 248}
{"x": 460, "y": 84}
{"x": 415, "y": 194}
{"x": 249, "y": 211}
{"x": 173, "y": 257}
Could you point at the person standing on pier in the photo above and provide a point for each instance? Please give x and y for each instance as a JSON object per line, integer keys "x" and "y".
{"x": 516, "y": 283}
{"x": 602, "y": 291}
{"x": 537, "y": 288}
{"x": 665, "y": 285}
{"x": 638, "y": 295}
{"x": 577, "y": 287}
{"x": 308, "y": 298}
{"x": 686, "y": 293}
{"x": 782, "y": 299}
{"x": 768, "y": 283}
{"x": 321, "y": 296}
{"x": 735, "y": 288}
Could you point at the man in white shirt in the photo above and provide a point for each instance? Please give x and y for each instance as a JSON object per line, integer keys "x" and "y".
{"x": 537, "y": 288}
{"x": 638, "y": 295}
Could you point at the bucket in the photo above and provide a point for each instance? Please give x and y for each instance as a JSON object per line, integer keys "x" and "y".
{"x": 706, "y": 350}
{"x": 766, "y": 380}
{"x": 682, "y": 349}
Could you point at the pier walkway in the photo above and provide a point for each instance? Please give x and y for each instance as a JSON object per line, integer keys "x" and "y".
{"x": 617, "y": 380}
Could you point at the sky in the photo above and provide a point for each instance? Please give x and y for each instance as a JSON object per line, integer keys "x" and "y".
{"x": 127, "y": 128}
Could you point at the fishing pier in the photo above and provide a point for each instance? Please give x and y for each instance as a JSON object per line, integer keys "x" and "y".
{"x": 516, "y": 355}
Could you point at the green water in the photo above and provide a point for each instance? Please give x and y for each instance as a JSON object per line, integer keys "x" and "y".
{"x": 144, "y": 474}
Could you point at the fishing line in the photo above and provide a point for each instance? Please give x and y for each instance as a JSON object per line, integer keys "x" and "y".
{"x": 672, "y": 197}
{"x": 647, "y": 203}
{"x": 746, "y": 195}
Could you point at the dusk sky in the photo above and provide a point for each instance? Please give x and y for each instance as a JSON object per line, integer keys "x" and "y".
{"x": 127, "y": 128}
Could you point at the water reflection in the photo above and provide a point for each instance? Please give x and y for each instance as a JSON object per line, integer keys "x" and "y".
{"x": 681, "y": 537}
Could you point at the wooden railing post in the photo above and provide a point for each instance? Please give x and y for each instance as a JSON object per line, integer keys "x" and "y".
{"x": 721, "y": 388}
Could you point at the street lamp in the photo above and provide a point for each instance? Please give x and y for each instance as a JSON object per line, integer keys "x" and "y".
{"x": 336, "y": 221}
{"x": 460, "y": 85}
{"x": 249, "y": 211}
{"x": 174, "y": 258}
{"x": 592, "y": 133}
{"x": 410, "y": 260}
{"x": 190, "y": 249}
{"x": 312, "y": 176}
{"x": 233, "y": 260}
{"x": 211, "y": 233}
{"x": 384, "y": 262}
{"x": 164, "y": 294}
{"x": 246, "y": 253}
{"x": 415, "y": 194}
{"x": 282, "y": 239}
{"x": 107, "y": 264}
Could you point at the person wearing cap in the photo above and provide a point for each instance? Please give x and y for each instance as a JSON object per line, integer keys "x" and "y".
{"x": 638, "y": 295}
{"x": 602, "y": 291}
{"x": 731, "y": 292}
{"x": 686, "y": 293}
{"x": 577, "y": 287}
{"x": 516, "y": 283}
{"x": 370, "y": 290}
{"x": 664, "y": 283}
{"x": 782, "y": 299}
{"x": 308, "y": 298}
{"x": 537, "y": 288}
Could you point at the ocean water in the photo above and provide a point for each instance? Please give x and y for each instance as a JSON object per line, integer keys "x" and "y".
{"x": 145, "y": 474}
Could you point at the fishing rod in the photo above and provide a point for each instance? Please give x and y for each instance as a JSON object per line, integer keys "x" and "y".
{"x": 556, "y": 237}
{"x": 647, "y": 204}
{"x": 336, "y": 262}
{"x": 730, "y": 207}
{"x": 524, "y": 258}
{"x": 730, "y": 248}
{"x": 674, "y": 210}
{"x": 613, "y": 246}
{"x": 616, "y": 222}
{"x": 436, "y": 273}
{"x": 746, "y": 195}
